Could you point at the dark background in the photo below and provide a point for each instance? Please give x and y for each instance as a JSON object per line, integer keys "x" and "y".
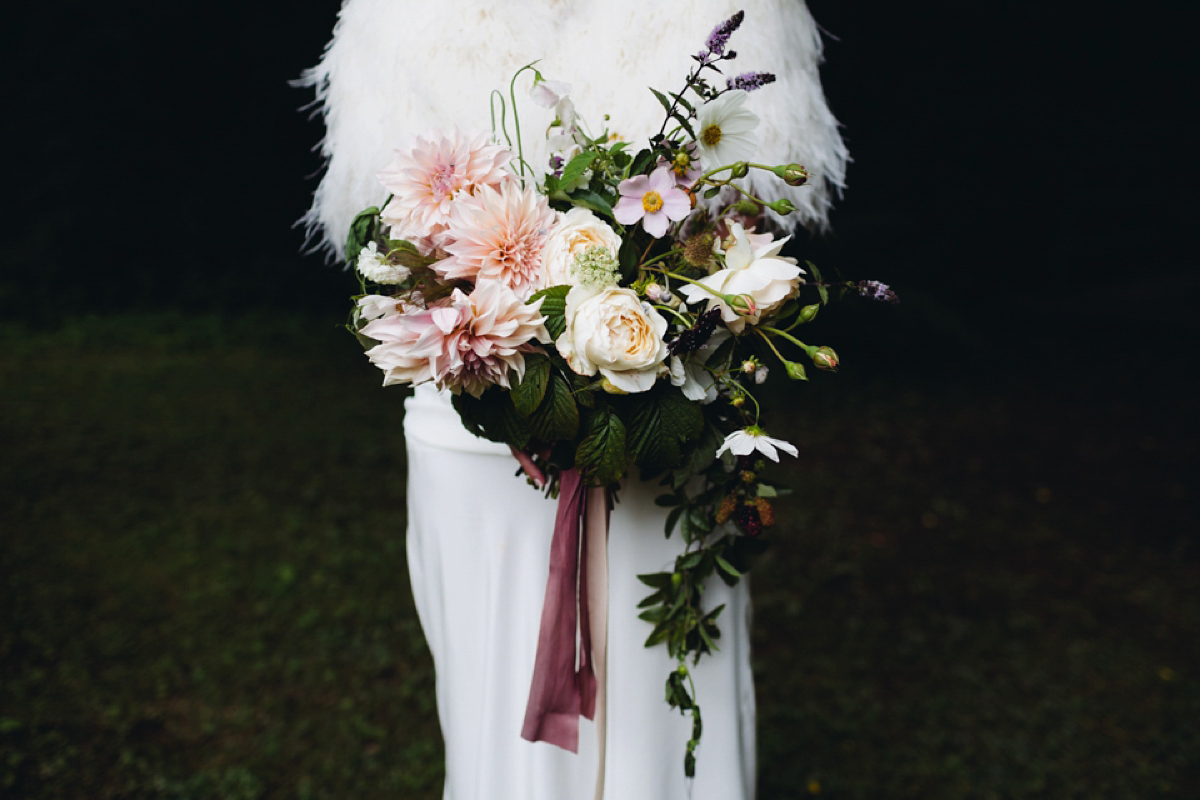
{"x": 988, "y": 583}
{"x": 1008, "y": 156}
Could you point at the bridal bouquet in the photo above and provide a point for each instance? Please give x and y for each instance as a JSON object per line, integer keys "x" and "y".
{"x": 616, "y": 307}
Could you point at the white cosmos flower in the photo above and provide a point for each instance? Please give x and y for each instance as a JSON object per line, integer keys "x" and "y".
{"x": 747, "y": 440}
{"x": 725, "y": 130}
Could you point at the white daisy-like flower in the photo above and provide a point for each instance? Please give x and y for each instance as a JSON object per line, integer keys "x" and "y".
{"x": 725, "y": 130}
{"x": 749, "y": 439}
{"x": 374, "y": 267}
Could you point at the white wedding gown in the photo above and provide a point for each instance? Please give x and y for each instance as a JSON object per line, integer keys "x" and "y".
{"x": 478, "y": 535}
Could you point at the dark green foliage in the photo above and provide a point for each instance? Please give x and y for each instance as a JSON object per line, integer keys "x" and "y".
{"x": 659, "y": 423}
{"x": 601, "y": 453}
{"x": 492, "y": 416}
{"x": 552, "y": 308}
{"x": 362, "y": 230}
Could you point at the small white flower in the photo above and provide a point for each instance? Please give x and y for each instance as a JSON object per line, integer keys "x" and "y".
{"x": 547, "y": 93}
{"x": 374, "y": 268}
{"x": 747, "y": 440}
{"x": 725, "y": 130}
{"x": 377, "y": 306}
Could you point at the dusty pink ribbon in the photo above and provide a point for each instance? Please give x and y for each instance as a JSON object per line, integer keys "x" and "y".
{"x": 569, "y": 669}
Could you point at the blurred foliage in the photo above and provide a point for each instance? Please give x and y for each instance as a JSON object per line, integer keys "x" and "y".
{"x": 981, "y": 589}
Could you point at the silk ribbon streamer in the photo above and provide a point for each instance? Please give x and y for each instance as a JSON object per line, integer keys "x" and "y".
{"x": 569, "y": 670}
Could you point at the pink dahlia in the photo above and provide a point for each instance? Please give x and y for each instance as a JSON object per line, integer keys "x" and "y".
{"x": 478, "y": 339}
{"x": 435, "y": 172}
{"x": 400, "y": 353}
{"x": 654, "y": 199}
{"x": 499, "y": 236}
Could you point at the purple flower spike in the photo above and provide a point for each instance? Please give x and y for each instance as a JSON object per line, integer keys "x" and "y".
{"x": 749, "y": 81}
{"x": 720, "y": 35}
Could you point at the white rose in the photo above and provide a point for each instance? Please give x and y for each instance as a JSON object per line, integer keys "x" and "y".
{"x": 575, "y": 232}
{"x": 613, "y": 332}
{"x": 753, "y": 268}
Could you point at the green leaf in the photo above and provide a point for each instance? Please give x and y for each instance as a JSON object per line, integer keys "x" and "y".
{"x": 683, "y": 102}
{"x": 695, "y": 524}
{"x": 650, "y": 600}
{"x": 662, "y": 98}
{"x": 553, "y": 308}
{"x": 630, "y": 252}
{"x": 576, "y": 167}
{"x": 673, "y": 518}
{"x": 687, "y": 126}
{"x": 816, "y": 273}
{"x": 596, "y": 202}
{"x": 527, "y": 395}
{"x": 362, "y": 230}
{"x": 493, "y": 417}
{"x": 711, "y": 192}
{"x": 726, "y": 567}
{"x": 661, "y": 422}
{"x": 656, "y": 580}
{"x": 700, "y": 456}
{"x": 641, "y": 161}
{"x": 601, "y": 454}
{"x": 557, "y": 416}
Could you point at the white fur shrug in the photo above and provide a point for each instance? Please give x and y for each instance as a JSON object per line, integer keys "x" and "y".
{"x": 397, "y": 68}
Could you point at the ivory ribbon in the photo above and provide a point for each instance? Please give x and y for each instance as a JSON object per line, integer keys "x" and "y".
{"x": 569, "y": 670}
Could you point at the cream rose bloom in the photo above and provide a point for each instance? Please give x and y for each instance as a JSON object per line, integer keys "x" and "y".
{"x": 754, "y": 268}
{"x": 575, "y": 232}
{"x": 611, "y": 331}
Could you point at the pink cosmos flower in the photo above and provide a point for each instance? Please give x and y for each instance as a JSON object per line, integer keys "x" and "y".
{"x": 498, "y": 236}
{"x": 654, "y": 199}
{"x": 465, "y": 343}
{"x": 435, "y": 172}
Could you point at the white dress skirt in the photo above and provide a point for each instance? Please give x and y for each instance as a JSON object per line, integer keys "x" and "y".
{"x": 478, "y": 556}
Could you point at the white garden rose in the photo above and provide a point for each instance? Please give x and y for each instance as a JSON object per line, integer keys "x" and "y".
{"x": 575, "y": 232}
{"x": 611, "y": 331}
{"x": 753, "y": 269}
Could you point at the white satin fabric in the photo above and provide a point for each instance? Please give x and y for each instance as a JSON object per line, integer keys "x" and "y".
{"x": 478, "y": 554}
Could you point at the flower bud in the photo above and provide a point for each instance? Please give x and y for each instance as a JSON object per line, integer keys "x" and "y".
{"x": 611, "y": 388}
{"x": 749, "y": 365}
{"x": 795, "y": 371}
{"x": 760, "y": 374}
{"x": 739, "y": 170}
{"x": 809, "y": 313}
{"x": 825, "y": 358}
{"x": 743, "y": 304}
{"x": 782, "y": 206}
{"x": 656, "y": 294}
{"x": 792, "y": 174}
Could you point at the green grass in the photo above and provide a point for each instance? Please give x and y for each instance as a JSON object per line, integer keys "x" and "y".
{"x": 976, "y": 592}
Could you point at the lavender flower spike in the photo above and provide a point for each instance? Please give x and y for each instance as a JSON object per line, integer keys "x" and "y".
{"x": 877, "y": 291}
{"x": 749, "y": 81}
{"x": 717, "y": 40}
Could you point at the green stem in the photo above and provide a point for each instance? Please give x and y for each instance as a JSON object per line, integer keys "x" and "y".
{"x": 788, "y": 336}
{"x": 512, "y": 94}
{"x": 503, "y": 118}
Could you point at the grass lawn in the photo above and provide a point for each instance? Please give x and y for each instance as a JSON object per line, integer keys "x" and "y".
{"x": 978, "y": 591}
